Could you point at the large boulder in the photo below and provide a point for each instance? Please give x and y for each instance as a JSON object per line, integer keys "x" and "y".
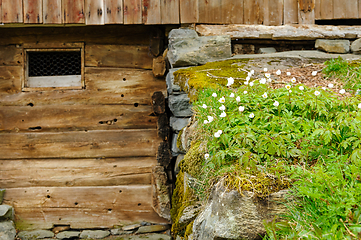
{"x": 333, "y": 46}
{"x": 186, "y": 48}
{"x": 356, "y": 46}
{"x": 230, "y": 215}
{"x": 7, "y": 230}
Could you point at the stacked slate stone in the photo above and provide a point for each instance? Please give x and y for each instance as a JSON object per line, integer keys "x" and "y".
{"x": 7, "y": 227}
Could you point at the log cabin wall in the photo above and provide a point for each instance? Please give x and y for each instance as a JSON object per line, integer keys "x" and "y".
{"x": 101, "y": 12}
{"x": 81, "y": 157}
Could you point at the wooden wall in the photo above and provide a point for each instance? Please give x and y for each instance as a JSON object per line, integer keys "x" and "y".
{"x": 82, "y": 158}
{"x": 100, "y": 12}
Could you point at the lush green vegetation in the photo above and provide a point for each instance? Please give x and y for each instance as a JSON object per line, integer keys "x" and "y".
{"x": 307, "y": 139}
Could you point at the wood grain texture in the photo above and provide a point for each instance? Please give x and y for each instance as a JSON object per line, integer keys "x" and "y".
{"x": 275, "y": 12}
{"x": 113, "y": 11}
{"x": 306, "y": 11}
{"x": 12, "y": 11}
{"x": 254, "y": 11}
{"x": 78, "y": 117}
{"x": 73, "y": 11}
{"x": 1, "y": 10}
{"x": 210, "y": 11}
{"x": 151, "y": 12}
{"x": 232, "y": 11}
{"x": 118, "y": 56}
{"x": 52, "y": 13}
{"x": 33, "y": 11}
{"x": 81, "y": 207}
{"x": 76, "y": 172}
{"x": 10, "y": 79}
{"x": 94, "y": 12}
{"x": 290, "y": 12}
{"x": 188, "y": 11}
{"x": 79, "y": 144}
{"x": 169, "y": 10}
{"x": 132, "y": 11}
{"x": 345, "y": 9}
{"x": 11, "y": 55}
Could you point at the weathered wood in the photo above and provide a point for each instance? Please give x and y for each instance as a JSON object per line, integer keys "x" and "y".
{"x": 163, "y": 127}
{"x": 306, "y": 11}
{"x": 81, "y": 207}
{"x": 1, "y": 10}
{"x": 94, "y": 12}
{"x": 73, "y": 11}
{"x": 79, "y": 144}
{"x": 345, "y": 9}
{"x": 210, "y": 11}
{"x": 290, "y": 12}
{"x": 12, "y": 11}
{"x": 164, "y": 154}
{"x": 188, "y": 11}
{"x": 33, "y": 11}
{"x": 67, "y": 81}
{"x": 132, "y": 12}
{"x": 52, "y": 12}
{"x": 158, "y": 103}
{"x": 76, "y": 172}
{"x": 253, "y": 11}
{"x": 118, "y": 56}
{"x": 275, "y": 12}
{"x": 169, "y": 10}
{"x": 159, "y": 66}
{"x": 10, "y": 79}
{"x": 232, "y": 11}
{"x": 113, "y": 11}
{"x": 11, "y": 55}
{"x": 151, "y": 11}
{"x": 76, "y": 117}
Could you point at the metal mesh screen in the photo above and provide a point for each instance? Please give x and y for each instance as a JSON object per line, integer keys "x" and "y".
{"x": 54, "y": 63}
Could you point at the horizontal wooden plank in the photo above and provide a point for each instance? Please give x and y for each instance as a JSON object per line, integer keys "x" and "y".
{"x": 80, "y": 144}
{"x": 117, "y": 79}
{"x": 76, "y": 172}
{"x": 76, "y": 117}
{"x": 81, "y": 207}
{"x": 10, "y": 79}
{"x": 118, "y": 56}
{"x": 54, "y": 81}
{"x": 11, "y": 55}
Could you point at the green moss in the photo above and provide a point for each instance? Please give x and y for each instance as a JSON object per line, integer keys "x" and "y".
{"x": 179, "y": 140}
{"x": 194, "y": 79}
{"x": 21, "y": 225}
{"x": 193, "y": 160}
{"x": 189, "y": 230}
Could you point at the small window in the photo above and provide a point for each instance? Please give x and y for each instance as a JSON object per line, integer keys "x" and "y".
{"x": 53, "y": 68}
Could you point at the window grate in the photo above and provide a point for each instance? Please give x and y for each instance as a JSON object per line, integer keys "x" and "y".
{"x": 54, "y": 63}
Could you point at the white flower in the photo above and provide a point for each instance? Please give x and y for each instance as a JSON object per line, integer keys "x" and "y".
{"x": 210, "y": 118}
{"x": 314, "y": 73}
{"x": 214, "y": 95}
{"x": 276, "y": 104}
{"x": 249, "y": 74}
{"x": 230, "y": 81}
{"x": 317, "y": 93}
{"x": 245, "y": 92}
{"x": 241, "y": 108}
{"x": 269, "y": 80}
{"x": 342, "y": 91}
{"x": 263, "y": 81}
{"x": 265, "y": 69}
{"x": 288, "y": 87}
{"x": 290, "y": 91}
{"x": 252, "y": 71}
{"x": 218, "y": 133}
{"x": 301, "y": 88}
{"x": 324, "y": 88}
{"x": 246, "y": 82}
{"x": 278, "y": 72}
{"x": 238, "y": 99}
{"x": 330, "y": 85}
{"x": 264, "y": 95}
{"x": 222, "y": 100}
{"x": 288, "y": 74}
{"x": 222, "y": 108}
{"x": 223, "y": 114}
{"x": 205, "y": 122}
{"x": 204, "y": 106}
{"x": 206, "y": 156}
{"x": 232, "y": 95}
{"x": 293, "y": 80}
{"x": 251, "y": 84}
{"x": 251, "y": 115}
{"x": 248, "y": 78}
{"x": 359, "y": 105}
{"x": 268, "y": 75}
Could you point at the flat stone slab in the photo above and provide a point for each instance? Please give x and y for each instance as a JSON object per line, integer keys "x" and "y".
{"x": 37, "y": 234}
{"x": 67, "y": 235}
{"x": 94, "y": 234}
{"x": 154, "y": 236}
{"x": 333, "y": 46}
{"x": 152, "y": 228}
{"x": 285, "y": 32}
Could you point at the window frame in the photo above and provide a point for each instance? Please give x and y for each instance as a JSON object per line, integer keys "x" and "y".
{"x": 51, "y": 47}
